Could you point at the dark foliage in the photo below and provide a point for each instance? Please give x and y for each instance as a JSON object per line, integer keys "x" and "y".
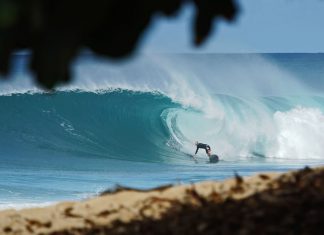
{"x": 56, "y": 30}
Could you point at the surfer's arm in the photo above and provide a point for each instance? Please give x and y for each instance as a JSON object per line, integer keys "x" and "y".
{"x": 196, "y": 150}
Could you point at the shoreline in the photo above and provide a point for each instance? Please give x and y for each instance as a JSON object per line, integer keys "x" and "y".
{"x": 276, "y": 203}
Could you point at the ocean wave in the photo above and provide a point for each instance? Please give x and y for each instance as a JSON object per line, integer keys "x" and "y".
{"x": 116, "y": 124}
{"x": 151, "y": 127}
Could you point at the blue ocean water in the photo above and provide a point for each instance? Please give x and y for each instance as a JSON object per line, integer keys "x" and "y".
{"x": 135, "y": 123}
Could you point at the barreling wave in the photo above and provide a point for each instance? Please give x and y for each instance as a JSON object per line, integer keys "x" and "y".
{"x": 135, "y": 123}
{"x": 151, "y": 127}
{"x": 116, "y": 124}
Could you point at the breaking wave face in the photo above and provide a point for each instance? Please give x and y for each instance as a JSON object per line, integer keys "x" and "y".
{"x": 155, "y": 110}
{"x": 146, "y": 126}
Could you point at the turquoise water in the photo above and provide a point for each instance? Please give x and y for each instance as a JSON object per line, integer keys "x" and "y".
{"x": 134, "y": 124}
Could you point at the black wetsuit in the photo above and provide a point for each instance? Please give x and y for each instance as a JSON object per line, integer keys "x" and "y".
{"x": 203, "y": 146}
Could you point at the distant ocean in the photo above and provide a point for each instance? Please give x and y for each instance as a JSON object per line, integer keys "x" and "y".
{"x": 134, "y": 123}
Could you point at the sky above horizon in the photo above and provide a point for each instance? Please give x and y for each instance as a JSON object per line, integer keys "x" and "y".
{"x": 262, "y": 26}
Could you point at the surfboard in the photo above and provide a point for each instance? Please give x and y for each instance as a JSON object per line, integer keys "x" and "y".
{"x": 192, "y": 156}
{"x": 213, "y": 158}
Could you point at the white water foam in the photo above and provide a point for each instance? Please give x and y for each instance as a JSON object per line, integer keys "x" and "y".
{"x": 24, "y": 205}
{"x": 300, "y": 133}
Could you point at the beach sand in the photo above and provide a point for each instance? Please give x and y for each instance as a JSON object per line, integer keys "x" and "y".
{"x": 268, "y": 203}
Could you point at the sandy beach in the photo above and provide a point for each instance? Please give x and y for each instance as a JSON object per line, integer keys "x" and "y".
{"x": 269, "y": 203}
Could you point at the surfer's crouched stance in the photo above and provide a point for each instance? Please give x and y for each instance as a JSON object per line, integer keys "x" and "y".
{"x": 203, "y": 146}
{"x": 212, "y": 158}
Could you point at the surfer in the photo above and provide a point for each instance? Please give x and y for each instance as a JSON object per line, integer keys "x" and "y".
{"x": 213, "y": 158}
{"x": 203, "y": 146}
